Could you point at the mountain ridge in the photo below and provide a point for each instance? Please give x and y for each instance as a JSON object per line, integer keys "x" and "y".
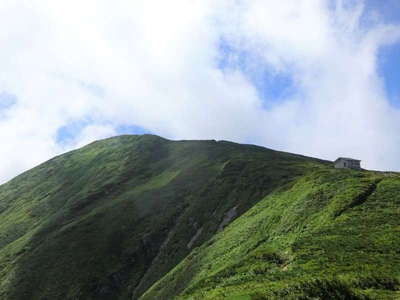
{"x": 115, "y": 219}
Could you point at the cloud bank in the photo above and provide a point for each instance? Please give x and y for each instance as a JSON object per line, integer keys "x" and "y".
{"x": 187, "y": 69}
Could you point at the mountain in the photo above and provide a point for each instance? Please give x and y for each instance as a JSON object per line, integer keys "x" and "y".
{"x": 142, "y": 217}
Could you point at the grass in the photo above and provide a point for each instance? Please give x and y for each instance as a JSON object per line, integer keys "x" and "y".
{"x": 109, "y": 220}
{"x": 331, "y": 235}
{"x": 113, "y": 220}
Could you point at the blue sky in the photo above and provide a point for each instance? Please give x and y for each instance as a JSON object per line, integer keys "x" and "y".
{"x": 316, "y": 77}
{"x": 389, "y": 68}
{"x": 389, "y": 9}
{"x": 7, "y": 100}
{"x": 389, "y": 58}
{"x": 274, "y": 87}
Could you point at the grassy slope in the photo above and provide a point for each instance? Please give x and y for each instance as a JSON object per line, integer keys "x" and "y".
{"x": 333, "y": 234}
{"x": 110, "y": 219}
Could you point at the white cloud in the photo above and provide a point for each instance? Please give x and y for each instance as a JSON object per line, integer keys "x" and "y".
{"x": 91, "y": 133}
{"x": 155, "y": 64}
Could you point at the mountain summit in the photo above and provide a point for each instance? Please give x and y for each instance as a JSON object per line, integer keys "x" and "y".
{"x": 142, "y": 217}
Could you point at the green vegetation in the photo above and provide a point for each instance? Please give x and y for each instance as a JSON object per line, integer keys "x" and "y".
{"x": 142, "y": 217}
{"x": 109, "y": 220}
{"x": 333, "y": 234}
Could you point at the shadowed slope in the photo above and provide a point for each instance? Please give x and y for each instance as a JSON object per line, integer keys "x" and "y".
{"x": 108, "y": 220}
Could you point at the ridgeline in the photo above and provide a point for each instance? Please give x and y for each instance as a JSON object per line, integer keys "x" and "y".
{"x": 142, "y": 217}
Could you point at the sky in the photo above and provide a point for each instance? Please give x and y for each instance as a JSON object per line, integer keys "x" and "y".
{"x": 314, "y": 77}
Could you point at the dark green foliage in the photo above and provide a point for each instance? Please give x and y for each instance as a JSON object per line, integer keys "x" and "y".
{"x": 109, "y": 220}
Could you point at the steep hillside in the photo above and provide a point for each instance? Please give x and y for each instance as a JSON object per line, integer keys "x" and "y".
{"x": 109, "y": 220}
{"x": 331, "y": 234}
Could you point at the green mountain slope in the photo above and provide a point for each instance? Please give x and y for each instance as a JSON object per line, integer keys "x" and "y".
{"x": 109, "y": 220}
{"x": 332, "y": 234}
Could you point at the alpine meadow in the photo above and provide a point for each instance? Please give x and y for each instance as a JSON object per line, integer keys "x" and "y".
{"x": 143, "y": 217}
